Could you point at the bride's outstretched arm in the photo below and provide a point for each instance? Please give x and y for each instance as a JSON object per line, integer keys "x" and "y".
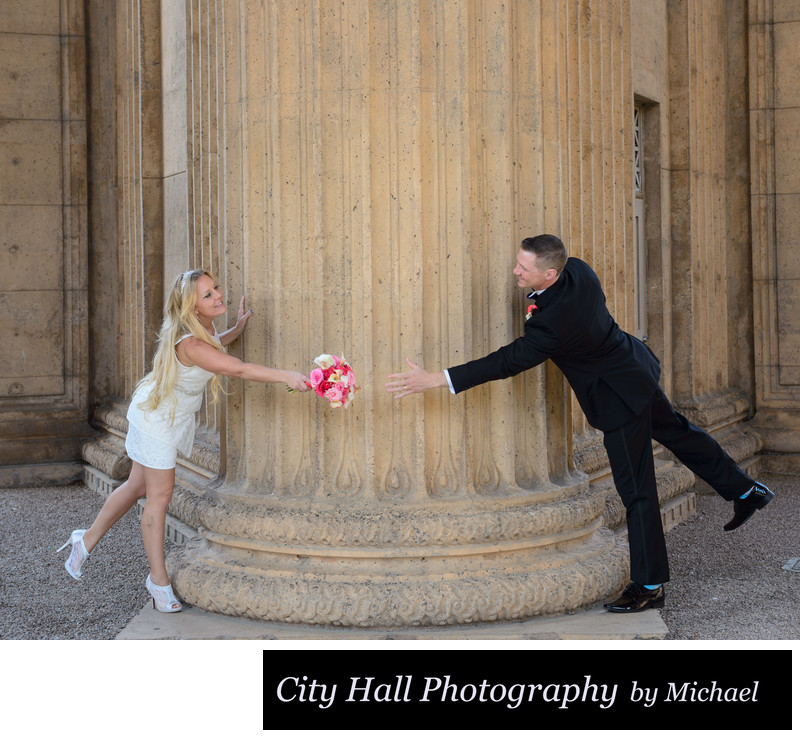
{"x": 194, "y": 351}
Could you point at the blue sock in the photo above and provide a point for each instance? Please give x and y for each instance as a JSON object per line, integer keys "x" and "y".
{"x": 651, "y": 586}
{"x": 746, "y": 493}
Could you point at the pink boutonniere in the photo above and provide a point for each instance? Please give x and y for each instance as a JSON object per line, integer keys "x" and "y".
{"x": 531, "y": 310}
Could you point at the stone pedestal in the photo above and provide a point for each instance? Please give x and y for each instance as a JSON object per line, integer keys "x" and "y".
{"x": 387, "y": 565}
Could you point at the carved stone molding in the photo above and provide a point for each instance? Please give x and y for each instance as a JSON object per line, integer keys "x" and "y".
{"x": 371, "y": 564}
{"x": 289, "y": 523}
{"x": 434, "y": 587}
{"x": 716, "y": 409}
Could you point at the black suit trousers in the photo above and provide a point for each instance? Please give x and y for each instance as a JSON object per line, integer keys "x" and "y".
{"x": 630, "y": 454}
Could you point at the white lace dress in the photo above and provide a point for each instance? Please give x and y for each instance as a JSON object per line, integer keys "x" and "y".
{"x": 154, "y": 437}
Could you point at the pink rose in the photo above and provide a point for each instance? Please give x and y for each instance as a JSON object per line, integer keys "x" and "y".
{"x": 334, "y": 394}
{"x": 316, "y": 377}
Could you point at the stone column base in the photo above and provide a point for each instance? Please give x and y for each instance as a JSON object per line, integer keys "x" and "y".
{"x": 779, "y": 431}
{"x": 390, "y": 568}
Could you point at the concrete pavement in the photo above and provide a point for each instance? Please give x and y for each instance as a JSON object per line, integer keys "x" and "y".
{"x": 195, "y": 624}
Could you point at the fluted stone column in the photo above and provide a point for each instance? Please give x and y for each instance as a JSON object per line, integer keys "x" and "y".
{"x": 709, "y": 293}
{"x": 774, "y": 110}
{"x": 381, "y": 163}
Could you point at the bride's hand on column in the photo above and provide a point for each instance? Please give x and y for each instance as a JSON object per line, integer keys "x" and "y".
{"x": 243, "y": 315}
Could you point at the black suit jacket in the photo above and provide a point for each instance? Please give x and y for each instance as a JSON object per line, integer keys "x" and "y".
{"x": 614, "y": 375}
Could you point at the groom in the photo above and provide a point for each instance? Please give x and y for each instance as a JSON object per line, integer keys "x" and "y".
{"x": 615, "y": 379}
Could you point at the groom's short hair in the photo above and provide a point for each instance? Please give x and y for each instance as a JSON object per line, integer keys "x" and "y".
{"x": 549, "y": 250}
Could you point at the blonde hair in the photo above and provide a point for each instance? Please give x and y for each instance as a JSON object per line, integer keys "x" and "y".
{"x": 179, "y": 320}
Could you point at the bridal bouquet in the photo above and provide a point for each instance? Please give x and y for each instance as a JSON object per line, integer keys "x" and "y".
{"x": 334, "y": 380}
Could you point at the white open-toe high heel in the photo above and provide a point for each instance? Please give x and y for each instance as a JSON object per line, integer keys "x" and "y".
{"x": 78, "y": 555}
{"x": 164, "y": 599}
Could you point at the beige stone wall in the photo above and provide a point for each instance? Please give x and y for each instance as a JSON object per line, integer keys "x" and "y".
{"x": 43, "y": 240}
{"x": 698, "y": 191}
{"x": 106, "y": 374}
{"x": 140, "y": 161}
{"x": 689, "y": 74}
{"x": 194, "y": 203}
{"x": 774, "y": 124}
{"x": 650, "y": 81}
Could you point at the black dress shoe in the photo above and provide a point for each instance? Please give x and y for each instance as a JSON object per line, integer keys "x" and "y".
{"x": 742, "y": 509}
{"x": 635, "y": 598}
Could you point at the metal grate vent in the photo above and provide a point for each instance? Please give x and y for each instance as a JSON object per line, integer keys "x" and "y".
{"x": 638, "y": 154}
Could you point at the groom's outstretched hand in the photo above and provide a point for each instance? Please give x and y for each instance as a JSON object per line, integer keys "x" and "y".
{"x": 417, "y": 380}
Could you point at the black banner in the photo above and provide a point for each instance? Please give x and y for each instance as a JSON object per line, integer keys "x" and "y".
{"x": 528, "y": 689}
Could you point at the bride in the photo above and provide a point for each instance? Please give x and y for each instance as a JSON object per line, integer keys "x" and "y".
{"x": 161, "y": 419}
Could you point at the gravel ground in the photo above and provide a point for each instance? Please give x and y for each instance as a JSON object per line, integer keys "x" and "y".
{"x": 733, "y": 585}
{"x": 724, "y": 585}
{"x": 38, "y": 599}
